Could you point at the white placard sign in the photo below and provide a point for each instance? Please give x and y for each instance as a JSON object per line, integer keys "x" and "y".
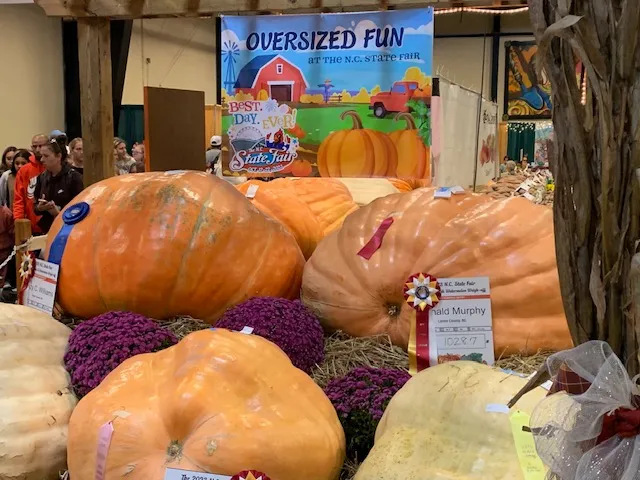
{"x": 460, "y": 325}
{"x": 177, "y": 474}
{"x": 41, "y": 291}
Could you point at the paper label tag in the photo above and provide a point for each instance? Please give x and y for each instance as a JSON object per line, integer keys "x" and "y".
{"x": 497, "y": 408}
{"x": 530, "y": 463}
{"x": 457, "y": 190}
{"x": 176, "y": 474}
{"x": 547, "y": 385}
{"x": 41, "y": 291}
{"x": 461, "y": 326}
{"x": 251, "y": 191}
{"x": 442, "y": 192}
{"x": 529, "y": 197}
{"x": 247, "y": 330}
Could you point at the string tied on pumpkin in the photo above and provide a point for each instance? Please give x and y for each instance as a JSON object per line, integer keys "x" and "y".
{"x": 591, "y": 417}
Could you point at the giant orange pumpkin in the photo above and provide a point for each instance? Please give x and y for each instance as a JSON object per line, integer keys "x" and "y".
{"x": 219, "y": 402}
{"x": 357, "y": 152}
{"x": 174, "y": 243}
{"x": 309, "y": 208}
{"x": 414, "y": 157}
{"x": 511, "y": 241}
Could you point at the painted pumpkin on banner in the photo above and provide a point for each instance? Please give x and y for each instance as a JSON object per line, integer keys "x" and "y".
{"x": 511, "y": 241}
{"x": 357, "y": 152}
{"x": 308, "y": 208}
{"x": 174, "y": 243}
{"x": 218, "y": 401}
{"x": 414, "y": 157}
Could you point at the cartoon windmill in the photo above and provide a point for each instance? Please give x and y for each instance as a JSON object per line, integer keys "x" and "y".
{"x": 230, "y": 51}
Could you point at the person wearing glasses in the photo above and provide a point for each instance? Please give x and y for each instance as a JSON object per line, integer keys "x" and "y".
{"x": 26, "y": 178}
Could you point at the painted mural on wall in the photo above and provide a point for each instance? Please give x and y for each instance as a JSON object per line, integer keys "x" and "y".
{"x": 527, "y": 93}
{"x": 332, "y": 95}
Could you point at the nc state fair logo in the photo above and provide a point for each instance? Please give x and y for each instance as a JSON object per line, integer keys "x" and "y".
{"x": 258, "y": 136}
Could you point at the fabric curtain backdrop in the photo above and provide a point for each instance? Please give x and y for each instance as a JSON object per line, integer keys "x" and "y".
{"x": 131, "y": 124}
{"x": 522, "y": 139}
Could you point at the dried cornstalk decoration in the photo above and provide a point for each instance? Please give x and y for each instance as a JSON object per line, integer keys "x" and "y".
{"x": 597, "y": 198}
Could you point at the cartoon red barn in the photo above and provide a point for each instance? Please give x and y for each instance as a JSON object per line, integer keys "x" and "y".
{"x": 280, "y": 78}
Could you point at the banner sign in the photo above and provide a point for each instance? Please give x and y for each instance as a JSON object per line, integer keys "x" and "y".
{"x": 487, "y": 161}
{"x": 332, "y": 95}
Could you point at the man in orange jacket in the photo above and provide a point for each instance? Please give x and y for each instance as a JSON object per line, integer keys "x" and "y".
{"x": 23, "y": 203}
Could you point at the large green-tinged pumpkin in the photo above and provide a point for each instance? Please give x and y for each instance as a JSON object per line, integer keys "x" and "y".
{"x": 174, "y": 243}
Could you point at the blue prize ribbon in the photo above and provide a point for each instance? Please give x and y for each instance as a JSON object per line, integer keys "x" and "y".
{"x": 71, "y": 216}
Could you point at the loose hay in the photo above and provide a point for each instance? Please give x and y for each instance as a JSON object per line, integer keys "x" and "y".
{"x": 344, "y": 353}
{"x": 183, "y": 326}
{"x": 522, "y": 364}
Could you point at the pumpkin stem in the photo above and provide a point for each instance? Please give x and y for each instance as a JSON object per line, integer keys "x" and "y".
{"x": 174, "y": 450}
{"x": 357, "y": 121}
{"x": 393, "y": 310}
{"x": 407, "y": 117}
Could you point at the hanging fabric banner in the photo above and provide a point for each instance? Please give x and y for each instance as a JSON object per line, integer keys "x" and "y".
{"x": 331, "y": 95}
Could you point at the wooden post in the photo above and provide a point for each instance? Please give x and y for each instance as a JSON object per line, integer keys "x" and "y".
{"x": 94, "y": 51}
{"x": 23, "y": 233}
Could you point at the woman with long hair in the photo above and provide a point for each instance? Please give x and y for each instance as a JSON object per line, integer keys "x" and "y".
{"x": 57, "y": 185}
{"x": 7, "y": 158}
{"x": 123, "y": 161}
{"x": 8, "y": 178}
{"x": 76, "y": 155}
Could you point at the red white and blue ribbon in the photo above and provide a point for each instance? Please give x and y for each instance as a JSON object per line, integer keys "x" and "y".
{"x": 422, "y": 292}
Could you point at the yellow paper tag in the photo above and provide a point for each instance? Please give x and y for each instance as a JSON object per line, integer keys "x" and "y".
{"x": 532, "y": 466}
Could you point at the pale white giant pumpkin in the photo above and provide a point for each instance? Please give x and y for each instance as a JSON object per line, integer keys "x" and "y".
{"x": 437, "y": 427}
{"x": 35, "y": 395}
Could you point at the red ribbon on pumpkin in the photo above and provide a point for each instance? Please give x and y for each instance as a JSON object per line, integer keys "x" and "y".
{"x": 374, "y": 244}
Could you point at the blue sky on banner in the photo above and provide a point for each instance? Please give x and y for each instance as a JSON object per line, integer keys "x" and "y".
{"x": 361, "y": 64}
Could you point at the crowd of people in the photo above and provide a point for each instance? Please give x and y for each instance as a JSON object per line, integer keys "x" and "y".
{"x": 36, "y": 183}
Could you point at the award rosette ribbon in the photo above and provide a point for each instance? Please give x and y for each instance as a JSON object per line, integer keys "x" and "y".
{"x": 250, "y": 475}
{"x": 27, "y": 271}
{"x": 422, "y": 292}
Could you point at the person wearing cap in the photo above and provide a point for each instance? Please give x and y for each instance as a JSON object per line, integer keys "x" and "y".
{"x": 59, "y": 134}
{"x": 213, "y": 152}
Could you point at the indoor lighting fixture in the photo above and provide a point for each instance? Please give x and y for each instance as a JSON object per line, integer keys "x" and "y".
{"x": 486, "y": 11}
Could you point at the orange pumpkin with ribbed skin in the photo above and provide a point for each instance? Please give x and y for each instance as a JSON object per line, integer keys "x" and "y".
{"x": 511, "y": 241}
{"x": 357, "y": 152}
{"x": 174, "y": 243}
{"x": 414, "y": 157}
{"x": 218, "y": 401}
{"x": 309, "y": 208}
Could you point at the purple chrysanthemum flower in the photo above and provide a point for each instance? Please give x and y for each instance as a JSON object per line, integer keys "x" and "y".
{"x": 360, "y": 398}
{"x": 288, "y": 324}
{"x": 97, "y": 346}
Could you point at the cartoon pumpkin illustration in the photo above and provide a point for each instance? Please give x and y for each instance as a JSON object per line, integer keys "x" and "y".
{"x": 357, "y": 152}
{"x": 414, "y": 157}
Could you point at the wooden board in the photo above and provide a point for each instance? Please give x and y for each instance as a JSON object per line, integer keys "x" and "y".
{"x": 174, "y": 129}
{"x": 159, "y": 8}
{"x": 94, "y": 55}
